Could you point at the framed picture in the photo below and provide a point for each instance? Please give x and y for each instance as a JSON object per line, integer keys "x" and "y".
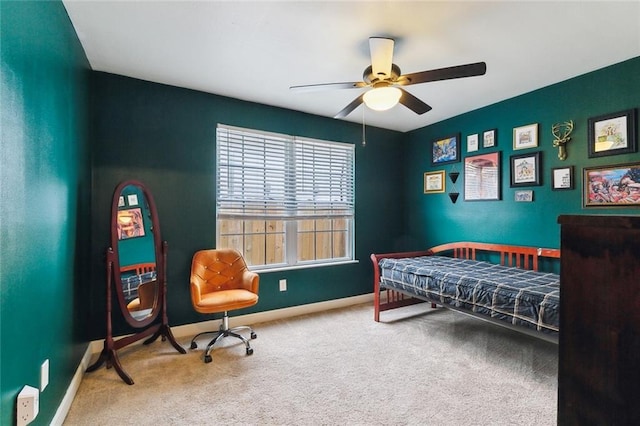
{"x": 525, "y": 137}
{"x": 482, "y": 177}
{"x": 611, "y": 186}
{"x": 130, "y": 223}
{"x": 490, "y": 138}
{"x": 525, "y": 169}
{"x": 562, "y": 178}
{"x": 446, "y": 150}
{"x": 434, "y": 182}
{"x": 612, "y": 134}
{"x": 523, "y": 196}
{"x": 472, "y": 143}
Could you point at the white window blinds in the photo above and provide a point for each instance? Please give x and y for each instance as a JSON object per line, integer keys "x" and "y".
{"x": 267, "y": 175}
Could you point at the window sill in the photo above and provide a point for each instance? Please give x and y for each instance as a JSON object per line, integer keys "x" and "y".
{"x": 305, "y": 266}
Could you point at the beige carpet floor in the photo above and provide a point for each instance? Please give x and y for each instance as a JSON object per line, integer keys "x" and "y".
{"x": 419, "y": 367}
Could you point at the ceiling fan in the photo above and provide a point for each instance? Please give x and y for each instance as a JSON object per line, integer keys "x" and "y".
{"x": 384, "y": 78}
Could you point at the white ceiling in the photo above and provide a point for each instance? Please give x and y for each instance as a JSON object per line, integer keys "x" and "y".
{"x": 256, "y": 50}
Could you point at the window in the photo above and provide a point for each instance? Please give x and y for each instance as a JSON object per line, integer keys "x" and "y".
{"x": 282, "y": 200}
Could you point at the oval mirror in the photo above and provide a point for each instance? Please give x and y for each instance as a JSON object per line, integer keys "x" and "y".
{"x": 135, "y": 238}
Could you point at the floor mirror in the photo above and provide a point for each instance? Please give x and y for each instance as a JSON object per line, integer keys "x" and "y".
{"x": 136, "y": 274}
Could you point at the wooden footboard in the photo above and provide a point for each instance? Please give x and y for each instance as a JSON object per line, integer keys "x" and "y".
{"x": 515, "y": 256}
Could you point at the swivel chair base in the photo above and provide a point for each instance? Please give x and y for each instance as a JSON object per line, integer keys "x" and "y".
{"x": 224, "y": 331}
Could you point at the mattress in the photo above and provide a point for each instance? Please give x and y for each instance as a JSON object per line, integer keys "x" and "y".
{"x": 517, "y": 296}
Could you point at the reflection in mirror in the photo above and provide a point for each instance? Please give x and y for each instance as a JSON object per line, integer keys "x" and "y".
{"x": 136, "y": 253}
{"x": 140, "y": 288}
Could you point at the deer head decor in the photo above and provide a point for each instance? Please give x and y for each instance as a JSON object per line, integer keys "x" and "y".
{"x": 561, "y": 134}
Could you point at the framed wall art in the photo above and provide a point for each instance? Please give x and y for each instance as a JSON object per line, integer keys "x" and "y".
{"x": 525, "y": 136}
{"x": 617, "y": 185}
{"x": 472, "y": 143}
{"x": 562, "y": 178}
{"x": 612, "y": 134}
{"x": 482, "y": 177}
{"x": 434, "y": 182}
{"x": 446, "y": 150}
{"x": 525, "y": 169}
{"x": 523, "y": 196}
{"x": 132, "y": 199}
{"x": 130, "y": 223}
{"x": 490, "y": 138}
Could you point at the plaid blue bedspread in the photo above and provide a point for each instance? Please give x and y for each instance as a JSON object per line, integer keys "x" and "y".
{"x": 518, "y": 296}
{"x": 130, "y": 284}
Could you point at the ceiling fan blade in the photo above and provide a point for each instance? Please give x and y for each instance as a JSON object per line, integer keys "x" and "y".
{"x": 459, "y": 71}
{"x": 381, "y": 49}
{"x": 328, "y": 86}
{"x": 413, "y": 103}
{"x": 349, "y": 108}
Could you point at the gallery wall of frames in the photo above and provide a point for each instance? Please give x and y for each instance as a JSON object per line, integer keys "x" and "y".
{"x": 505, "y": 172}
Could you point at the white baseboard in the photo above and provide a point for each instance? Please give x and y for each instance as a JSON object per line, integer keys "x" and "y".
{"x": 96, "y": 346}
{"x": 70, "y": 394}
{"x": 277, "y": 314}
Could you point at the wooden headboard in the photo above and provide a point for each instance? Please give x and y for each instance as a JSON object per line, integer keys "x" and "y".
{"x": 139, "y": 268}
{"x": 517, "y": 256}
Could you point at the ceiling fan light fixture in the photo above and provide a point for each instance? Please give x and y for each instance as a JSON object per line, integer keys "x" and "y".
{"x": 382, "y": 98}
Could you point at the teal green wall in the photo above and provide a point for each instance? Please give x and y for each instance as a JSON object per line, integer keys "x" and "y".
{"x": 434, "y": 219}
{"x": 165, "y": 137}
{"x": 56, "y": 191}
{"x": 44, "y": 212}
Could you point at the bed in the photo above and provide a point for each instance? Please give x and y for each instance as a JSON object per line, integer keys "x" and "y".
{"x": 513, "y": 286}
{"x": 138, "y": 285}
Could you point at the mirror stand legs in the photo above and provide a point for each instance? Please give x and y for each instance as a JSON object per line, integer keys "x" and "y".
{"x": 166, "y": 334}
{"x": 110, "y": 356}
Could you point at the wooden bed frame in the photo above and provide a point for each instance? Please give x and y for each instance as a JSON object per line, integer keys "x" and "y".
{"x": 522, "y": 257}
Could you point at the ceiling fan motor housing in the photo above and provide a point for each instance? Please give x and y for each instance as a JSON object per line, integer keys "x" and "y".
{"x": 372, "y": 79}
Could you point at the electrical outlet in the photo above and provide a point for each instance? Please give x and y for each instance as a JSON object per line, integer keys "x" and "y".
{"x": 283, "y": 285}
{"x": 44, "y": 375}
{"x": 28, "y": 405}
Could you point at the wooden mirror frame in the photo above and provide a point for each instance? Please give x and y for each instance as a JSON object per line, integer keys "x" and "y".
{"x": 157, "y": 323}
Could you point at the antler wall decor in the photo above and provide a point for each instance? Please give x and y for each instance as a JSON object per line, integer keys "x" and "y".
{"x": 561, "y": 133}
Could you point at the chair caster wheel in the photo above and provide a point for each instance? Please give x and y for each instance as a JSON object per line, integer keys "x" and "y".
{"x": 254, "y": 335}
{"x": 207, "y": 359}
{"x": 194, "y": 345}
{"x": 249, "y": 351}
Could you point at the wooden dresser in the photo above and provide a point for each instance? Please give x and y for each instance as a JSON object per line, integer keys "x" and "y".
{"x": 599, "y": 342}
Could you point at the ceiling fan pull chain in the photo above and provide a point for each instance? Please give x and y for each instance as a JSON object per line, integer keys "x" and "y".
{"x": 364, "y": 139}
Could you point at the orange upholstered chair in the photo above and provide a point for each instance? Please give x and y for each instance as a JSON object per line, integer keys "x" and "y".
{"x": 146, "y": 297}
{"x": 146, "y": 289}
{"x": 221, "y": 282}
